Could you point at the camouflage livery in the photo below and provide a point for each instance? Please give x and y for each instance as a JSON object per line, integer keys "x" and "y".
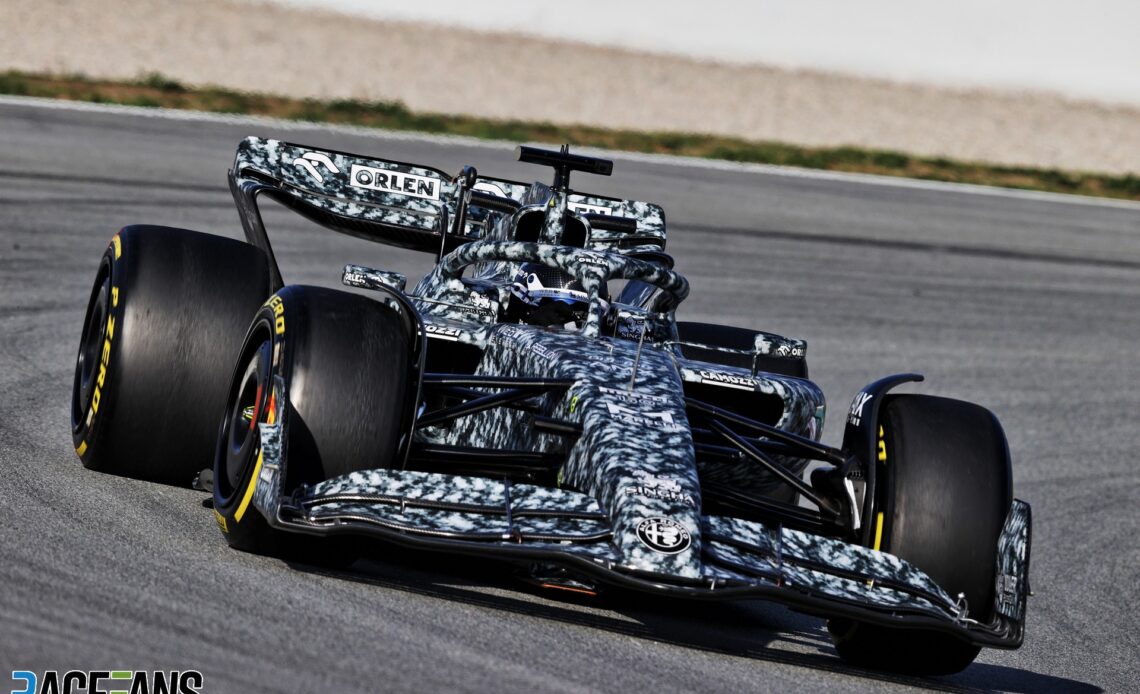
{"x": 1012, "y": 587}
{"x": 612, "y": 404}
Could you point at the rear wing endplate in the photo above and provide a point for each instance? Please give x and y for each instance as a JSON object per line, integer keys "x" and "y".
{"x": 375, "y": 199}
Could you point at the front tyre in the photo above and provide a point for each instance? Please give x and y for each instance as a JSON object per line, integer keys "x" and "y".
{"x": 945, "y": 492}
{"x": 167, "y": 308}
{"x": 344, "y": 360}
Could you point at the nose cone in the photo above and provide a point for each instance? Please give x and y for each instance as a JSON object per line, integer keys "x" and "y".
{"x": 635, "y": 454}
{"x": 636, "y": 457}
{"x": 656, "y": 518}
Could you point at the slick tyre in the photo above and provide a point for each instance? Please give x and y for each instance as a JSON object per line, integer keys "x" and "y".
{"x": 343, "y": 360}
{"x": 734, "y": 338}
{"x": 167, "y": 308}
{"x": 946, "y": 492}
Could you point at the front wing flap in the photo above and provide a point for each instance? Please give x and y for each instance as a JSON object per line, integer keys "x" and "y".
{"x": 741, "y": 558}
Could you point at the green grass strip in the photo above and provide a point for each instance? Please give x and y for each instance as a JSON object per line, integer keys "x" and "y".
{"x": 156, "y": 90}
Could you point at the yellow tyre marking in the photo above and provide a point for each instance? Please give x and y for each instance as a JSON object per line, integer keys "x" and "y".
{"x": 879, "y": 516}
{"x": 248, "y": 496}
{"x": 118, "y": 246}
{"x": 221, "y": 521}
{"x": 82, "y": 449}
{"x": 278, "y": 307}
{"x": 114, "y": 296}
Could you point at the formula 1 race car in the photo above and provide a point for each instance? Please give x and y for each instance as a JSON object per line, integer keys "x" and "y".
{"x": 535, "y": 399}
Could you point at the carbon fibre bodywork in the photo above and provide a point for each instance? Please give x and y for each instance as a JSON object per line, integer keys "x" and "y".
{"x": 633, "y": 451}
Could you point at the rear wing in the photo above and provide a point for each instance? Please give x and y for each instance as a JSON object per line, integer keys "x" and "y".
{"x": 646, "y": 221}
{"x": 395, "y": 203}
{"x": 378, "y": 200}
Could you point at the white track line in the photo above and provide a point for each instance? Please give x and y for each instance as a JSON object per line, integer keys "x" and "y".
{"x": 658, "y": 159}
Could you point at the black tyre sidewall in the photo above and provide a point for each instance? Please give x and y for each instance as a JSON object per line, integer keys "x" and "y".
{"x": 947, "y": 520}
{"x": 178, "y": 305}
{"x": 243, "y": 527}
{"x": 945, "y": 491}
{"x": 343, "y": 360}
{"x": 89, "y": 410}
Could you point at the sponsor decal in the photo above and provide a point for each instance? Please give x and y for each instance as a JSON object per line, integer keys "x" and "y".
{"x": 476, "y": 313}
{"x": 543, "y": 351}
{"x": 855, "y": 414}
{"x": 631, "y": 396}
{"x": 592, "y": 259}
{"x": 388, "y": 181}
{"x": 480, "y": 302}
{"x": 728, "y": 380}
{"x": 481, "y": 307}
{"x": 443, "y": 333}
{"x": 221, "y": 521}
{"x": 787, "y": 350}
{"x": 583, "y": 208}
{"x": 278, "y": 307}
{"x": 356, "y": 279}
{"x": 105, "y": 354}
{"x": 664, "y": 535}
{"x": 107, "y": 682}
{"x": 510, "y": 332}
{"x": 367, "y": 278}
{"x": 104, "y": 361}
{"x": 646, "y": 418}
{"x": 653, "y": 487}
{"x": 509, "y": 336}
{"x": 629, "y": 327}
{"x": 309, "y": 161}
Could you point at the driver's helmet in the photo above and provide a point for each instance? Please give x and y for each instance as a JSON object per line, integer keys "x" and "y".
{"x": 543, "y": 295}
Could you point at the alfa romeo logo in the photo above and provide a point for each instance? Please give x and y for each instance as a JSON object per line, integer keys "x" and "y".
{"x": 664, "y": 535}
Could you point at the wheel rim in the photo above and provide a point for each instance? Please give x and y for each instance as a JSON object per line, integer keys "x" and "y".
{"x": 90, "y": 352}
{"x": 240, "y": 438}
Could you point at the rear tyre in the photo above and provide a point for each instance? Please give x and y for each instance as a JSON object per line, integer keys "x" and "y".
{"x": 168, "y": 306}
{"x": 344, "y": 360}
{"x": 734, "y": 338}
{"x": 945, "y": 494}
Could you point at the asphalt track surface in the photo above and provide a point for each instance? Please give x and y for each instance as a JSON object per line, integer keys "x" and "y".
{"x": 1026, "y": 304}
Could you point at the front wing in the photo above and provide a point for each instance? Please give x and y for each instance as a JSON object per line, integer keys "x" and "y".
{"x": 741, "y": 558}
